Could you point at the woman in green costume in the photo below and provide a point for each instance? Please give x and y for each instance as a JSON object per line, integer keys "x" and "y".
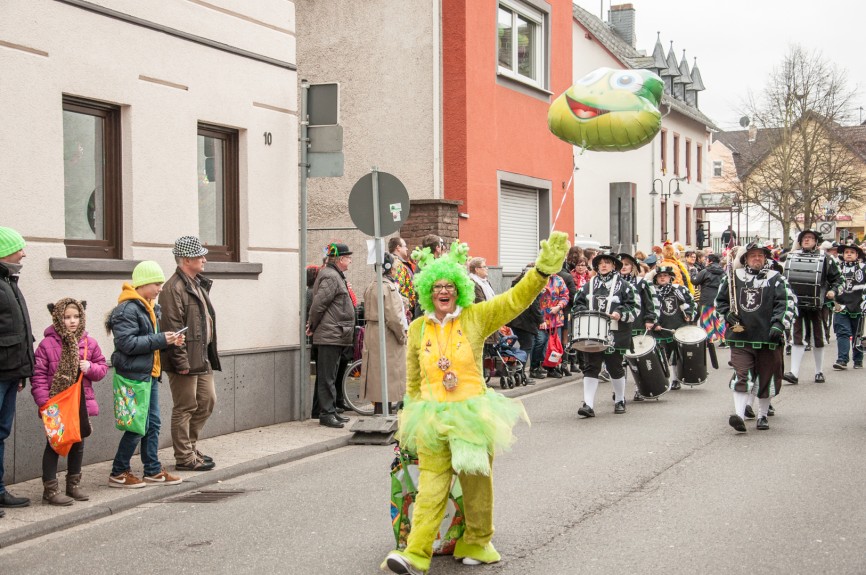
{"x": 450, "y": 418}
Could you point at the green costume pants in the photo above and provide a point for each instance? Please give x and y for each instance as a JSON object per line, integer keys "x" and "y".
{"x": 434, "y": 484}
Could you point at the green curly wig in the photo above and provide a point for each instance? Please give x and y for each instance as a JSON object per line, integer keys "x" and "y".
{"x": 451, "y": 267}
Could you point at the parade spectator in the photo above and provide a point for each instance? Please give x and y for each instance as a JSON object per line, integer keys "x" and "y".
{"x": 18, "y": 359}
{"x": 185, "y": 302}
{"x": 564, "y": 333}
{"x": 700, "y": 235}
{"x": 729, "y": 238}
{"x": 574, "y": 254}
{"x": 396, "y": 326}
{"x": 526, "y": 327}
{"x": 708, "y": 280}
{"x": 478, "y": 274}
{"x": 66, "y": 352}
{"x": 435, "y": 243}
{"x": 554, "y": 299}
{"x": 403, "y": 274}
{"x": 331, "y": 323}
{"x": 137, "y": 344}
{"x": 580, "y": 273}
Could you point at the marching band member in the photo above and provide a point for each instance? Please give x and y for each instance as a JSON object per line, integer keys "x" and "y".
{"x": 809, "y": 312}
{"x": 761, "y": 309}
{"x": 610, "y": 293}
{"x": 645, "y": 304}
{"x": 676, "y": 308}
{"x": 847, "y": 321}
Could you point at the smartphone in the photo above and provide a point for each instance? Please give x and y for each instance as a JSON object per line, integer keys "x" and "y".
{"x": 181, "y": 330}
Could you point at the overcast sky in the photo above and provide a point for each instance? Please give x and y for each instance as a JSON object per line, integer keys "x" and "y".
{"x": 738, "y": 42}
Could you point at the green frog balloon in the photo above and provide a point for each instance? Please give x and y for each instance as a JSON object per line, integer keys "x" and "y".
{"x": 609, "y": 110}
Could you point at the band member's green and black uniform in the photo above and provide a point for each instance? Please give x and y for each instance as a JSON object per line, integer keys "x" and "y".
{"x": 809, "y": 321}
{"x": 676, "y": 308}
{"x": 609, "y": 293}
{"x": 765, "y": 308}
{"x": 847, "y": 322}
{"x": 646, "y": 303}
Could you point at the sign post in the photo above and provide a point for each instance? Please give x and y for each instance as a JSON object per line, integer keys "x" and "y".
{"x": 378, "y": 206}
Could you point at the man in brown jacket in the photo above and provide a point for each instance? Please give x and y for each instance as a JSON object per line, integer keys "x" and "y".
{"x": 332, "y": 324}
{"x": 186, "y": 303}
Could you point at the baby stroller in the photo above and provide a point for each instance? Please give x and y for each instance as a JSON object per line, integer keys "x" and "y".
{"x": 504, "y": 359}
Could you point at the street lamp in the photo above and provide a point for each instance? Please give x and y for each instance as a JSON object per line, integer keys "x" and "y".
{"x": 665, "y": 195}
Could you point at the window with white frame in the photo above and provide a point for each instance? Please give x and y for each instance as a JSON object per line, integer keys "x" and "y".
{"x": 521, "y": 42}
{"x": 717, "y": 168}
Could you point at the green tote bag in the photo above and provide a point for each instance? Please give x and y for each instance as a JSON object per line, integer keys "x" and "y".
{"x": 131, "y": 403}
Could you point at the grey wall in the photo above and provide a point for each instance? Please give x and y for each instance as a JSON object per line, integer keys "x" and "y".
{"x": 253, "y": 390}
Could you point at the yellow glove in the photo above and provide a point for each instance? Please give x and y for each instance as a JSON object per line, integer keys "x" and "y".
{"x": 553, "y": 252}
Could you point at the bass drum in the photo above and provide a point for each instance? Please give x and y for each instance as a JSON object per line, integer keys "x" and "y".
{"x": 692, "y": 350}
{"x": 648, "y": 367}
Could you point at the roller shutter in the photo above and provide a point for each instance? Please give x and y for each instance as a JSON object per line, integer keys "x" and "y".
{"x": 518, "y": 228}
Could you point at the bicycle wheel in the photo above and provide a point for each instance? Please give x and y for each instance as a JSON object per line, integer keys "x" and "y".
{"x": 352, "y": 390}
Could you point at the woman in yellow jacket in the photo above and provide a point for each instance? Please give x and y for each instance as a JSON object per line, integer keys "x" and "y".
{"x": 450, "y": 418}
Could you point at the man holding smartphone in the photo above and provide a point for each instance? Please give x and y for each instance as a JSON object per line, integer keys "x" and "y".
{"x": 186, "y": 305}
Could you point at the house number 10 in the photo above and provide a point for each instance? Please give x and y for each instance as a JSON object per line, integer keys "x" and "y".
{"x": 268, "y": 138}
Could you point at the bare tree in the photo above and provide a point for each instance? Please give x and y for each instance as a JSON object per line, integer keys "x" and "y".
{"x": 798, "y": 161}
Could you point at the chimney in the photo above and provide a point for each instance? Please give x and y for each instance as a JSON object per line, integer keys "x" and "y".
{"x": 621, "y": 19}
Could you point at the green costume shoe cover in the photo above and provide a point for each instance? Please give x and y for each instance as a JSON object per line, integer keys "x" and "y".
{"x": 486, "y": 554}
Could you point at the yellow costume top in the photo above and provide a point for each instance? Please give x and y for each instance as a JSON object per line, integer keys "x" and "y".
{"x": 471, "y": 420}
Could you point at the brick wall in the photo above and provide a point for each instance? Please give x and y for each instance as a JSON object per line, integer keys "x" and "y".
{"x": 431, "y": 217}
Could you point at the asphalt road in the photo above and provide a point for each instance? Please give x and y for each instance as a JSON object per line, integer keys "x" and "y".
{"x": 666, "y": 488}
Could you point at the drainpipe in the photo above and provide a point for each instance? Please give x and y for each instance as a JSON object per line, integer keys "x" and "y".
{"x": 437, "y": 99}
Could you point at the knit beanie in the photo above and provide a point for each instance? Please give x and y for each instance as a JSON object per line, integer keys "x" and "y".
{"x": 147, "y": 272}
{"x": 10, "y": 242}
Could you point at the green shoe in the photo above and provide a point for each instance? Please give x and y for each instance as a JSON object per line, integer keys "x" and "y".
{"x": 475, "y": 554}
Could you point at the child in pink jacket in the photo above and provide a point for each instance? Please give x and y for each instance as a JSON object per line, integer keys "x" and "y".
{"x": 66, "y": 351}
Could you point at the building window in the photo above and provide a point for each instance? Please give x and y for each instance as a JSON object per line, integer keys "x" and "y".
{"x": 664, "y": 156}
{"x": 521, "y": 42}
{"x": 218, "y": 211}
{"x": 676, "y": 222}
{"x": 91, "y": 179}
{"x": 700, "y": 161}
{"x": 717, "y": 168}
{"x": 676, "y": 154}
{"x": 688, "y": 160}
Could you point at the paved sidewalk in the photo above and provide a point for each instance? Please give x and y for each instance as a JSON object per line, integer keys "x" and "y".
{"x": 236, "y": 454}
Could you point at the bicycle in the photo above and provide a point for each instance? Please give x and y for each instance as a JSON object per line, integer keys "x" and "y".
{"x": 352, "y": 390}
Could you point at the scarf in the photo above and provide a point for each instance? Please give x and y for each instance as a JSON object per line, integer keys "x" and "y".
{"x": 67, "y": 369}
{"x": 485, "y": 286}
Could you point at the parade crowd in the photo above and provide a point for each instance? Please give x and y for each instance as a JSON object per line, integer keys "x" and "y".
{"x": 157, "y": 326}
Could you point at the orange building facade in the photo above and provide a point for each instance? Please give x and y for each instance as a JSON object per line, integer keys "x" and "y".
{"x": 503, "y": 63}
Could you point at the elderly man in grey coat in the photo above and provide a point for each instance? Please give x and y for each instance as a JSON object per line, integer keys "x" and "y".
{"x": 331, "y": 323}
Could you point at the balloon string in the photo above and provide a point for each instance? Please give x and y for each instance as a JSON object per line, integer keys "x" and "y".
{"x": 564, "y": 196}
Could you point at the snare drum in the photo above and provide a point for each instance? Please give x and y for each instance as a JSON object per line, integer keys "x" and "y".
{"x": 590, "y": 331}
{"x": 692, "y": 347}
{"x": 647, "y": 367}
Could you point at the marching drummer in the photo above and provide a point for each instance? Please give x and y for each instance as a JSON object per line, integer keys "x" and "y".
{"x": 610, "y": 293}
{"x": 645, "y": 304}
{"x": 848, "y": 319}
{"x": 758, "y": 307}
{"x": 676, "y": 308}
{"x": 809, "y": 321}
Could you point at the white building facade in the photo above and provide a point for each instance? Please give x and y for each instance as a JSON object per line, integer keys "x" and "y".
{"x": 613, "y": 201}
{"x": 128, "y": 124}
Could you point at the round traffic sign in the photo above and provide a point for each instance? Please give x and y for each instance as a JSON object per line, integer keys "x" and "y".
{"x": 393, "y": 204}
{"x": 825, "y": 228}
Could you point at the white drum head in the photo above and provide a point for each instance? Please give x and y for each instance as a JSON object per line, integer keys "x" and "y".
{"x": 690, "y": 334}
{"x": 642, "y": 344}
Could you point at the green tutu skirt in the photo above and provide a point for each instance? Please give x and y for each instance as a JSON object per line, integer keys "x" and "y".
{"x": 473, "y": 429}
